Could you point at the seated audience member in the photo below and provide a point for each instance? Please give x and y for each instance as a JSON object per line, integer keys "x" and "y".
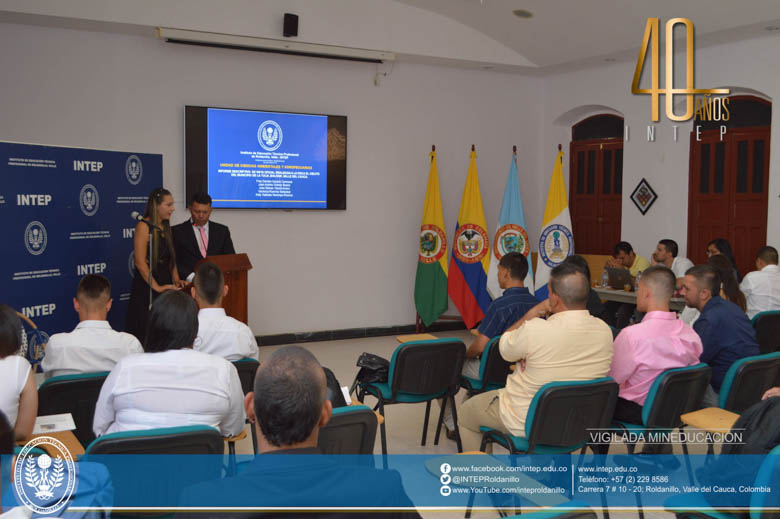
{"x": 762, "y": 287}
{"x": 729, "y": 287}
{"x": 725, "y": 331}
{"x": 645, "y": 350}
{"x": 170, "y": 385}
{"x": 288, "y": 413}
{"x": 501, "y": 314}
{"x": 594, "y": 306}
{"x": 218, "y": 333}
{"x": 18, "y": 392}
{"x": 666, "y": 254}
{"x": 626, "y": 258}
{"x": 92, "y": 346}
{"x": 723, "y": 247}
{"x": 570, "y": 345}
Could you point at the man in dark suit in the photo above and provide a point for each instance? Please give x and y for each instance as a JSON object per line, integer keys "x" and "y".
{"x": 197, "y": 238}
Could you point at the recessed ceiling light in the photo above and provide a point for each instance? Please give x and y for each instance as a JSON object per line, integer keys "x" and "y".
{"x": 522, "y": 13}
{"x": 772, "y": 28}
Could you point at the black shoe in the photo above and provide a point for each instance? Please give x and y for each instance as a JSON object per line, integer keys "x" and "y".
{"x": 450, "y": 433}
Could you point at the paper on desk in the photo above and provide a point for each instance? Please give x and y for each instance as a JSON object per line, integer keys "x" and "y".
{"x": 54, "y": 423}
{"x": 345, "y": 392}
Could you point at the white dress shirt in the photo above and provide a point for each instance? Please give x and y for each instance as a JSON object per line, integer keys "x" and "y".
{"x": 92, "y": 346}
{"x": 680, "y": 266}
{"x": 170, "y": 389}
{"x": 14, "y": 371}
{"x": 199, "y": 241}
{"x": 221, "y": 335}
{"x": 762, "y": 290}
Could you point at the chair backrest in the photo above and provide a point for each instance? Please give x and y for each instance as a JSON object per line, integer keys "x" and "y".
{"x": 351, "y": 430}
{"x": 675, "y": 392}
{"x": 562, "y": 413}
{"x": 747, "y": 380}
{"x": 767, "y": 325}
{"x": 493, "y": 369}
{"x": 247, "y": 367}
{"x": 191, "y": 439}
{"x": 427, "y": 367}
{"x": 74, "y": 394}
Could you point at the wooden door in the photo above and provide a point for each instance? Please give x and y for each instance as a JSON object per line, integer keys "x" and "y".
{"x": 595, "y": 194}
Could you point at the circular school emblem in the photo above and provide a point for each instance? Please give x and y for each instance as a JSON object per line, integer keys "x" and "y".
{"x": 269, "y": 135}
{"x": 35, "y": 238}
{"x": 510, "y": 238}
{"x": 555, "y": 244}
{"x": 433, "y": 243}
{"x": 42, "y": 483}
{"x": 471, "y": 243}
{"x": 134, "y": 170}
{"x": 89, "y": 200}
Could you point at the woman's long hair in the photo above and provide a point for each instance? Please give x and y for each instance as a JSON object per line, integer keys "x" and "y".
{"x": 154, "y": 200}
{"x": 724, "y": 247}
{"x": 729, "y": 283}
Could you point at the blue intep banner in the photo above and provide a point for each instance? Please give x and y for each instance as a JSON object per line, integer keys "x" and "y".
{"x": 67, "y": 214}
{"x": 267, "y": 159}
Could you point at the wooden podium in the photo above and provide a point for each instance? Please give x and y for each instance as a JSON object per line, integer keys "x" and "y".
{"x": 235, "y": 268}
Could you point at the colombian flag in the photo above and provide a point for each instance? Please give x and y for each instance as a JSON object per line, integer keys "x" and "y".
{"x": 430, "y": 284}
{"x": 556, "y": 241}
{"x": 470, "y": 253}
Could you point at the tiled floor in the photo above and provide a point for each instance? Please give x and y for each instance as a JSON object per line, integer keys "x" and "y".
{"x": 404, "y": 422}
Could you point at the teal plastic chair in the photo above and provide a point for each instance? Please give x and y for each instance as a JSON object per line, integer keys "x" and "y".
{"x": 351, "y": 430}
{"x": 190, "y": 439}
{"x": 493, "y": 370}
{"x": 247, "y": 368}
{"x": 767, "y": 326}
{"x": 560, "y": 417}
{"x": 747, "y": 380}
{"x": 421, "y": 371}
{"x": 74, "y": 394}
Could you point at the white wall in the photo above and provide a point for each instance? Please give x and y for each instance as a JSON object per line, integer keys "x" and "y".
{"x": 313, "y": 270}
{"x": 664, "y": 163}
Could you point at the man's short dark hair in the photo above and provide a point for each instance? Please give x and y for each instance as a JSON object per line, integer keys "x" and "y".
{"x": 516, "y": 263}
{"x": 173, "y": 323}
{"x": 661, "y": 280}
{"x": 10, "y": 331}
{"x": 201, "y": 198}
{"x": 706, "y": 277}
{"x": 623, "y": 246}
{"x": 289, "y": 395}
{"x": 94, "y": 287}
{"x": 568, "y": 282}
{"x": 209, "y": 282}
{"x": 768, "y": 255}
{"x": 579, "y": 262}
{"x": 670, "y": 246}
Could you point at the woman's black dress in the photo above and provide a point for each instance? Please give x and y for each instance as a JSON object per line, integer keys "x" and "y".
{"x": 138, "y": 308}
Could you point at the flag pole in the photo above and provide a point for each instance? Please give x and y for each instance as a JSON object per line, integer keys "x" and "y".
{"x": 559, "y": 149}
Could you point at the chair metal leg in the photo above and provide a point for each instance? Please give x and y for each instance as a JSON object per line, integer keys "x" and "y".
{"x": 254, "y": 437}
{"x": 381, "y": 405}
{"x": 485, "y": 440}
{"x": 425, "y": 423}
{"x": 440, "y": 422}
{"x": 639, "y": 510}
{"x": 687, "y": 462}
{"x": 469, "y": 505}
{"x": 455, "y": 422}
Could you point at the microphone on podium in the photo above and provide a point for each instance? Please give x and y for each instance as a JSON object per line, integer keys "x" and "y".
{"x": 135, "y": 215}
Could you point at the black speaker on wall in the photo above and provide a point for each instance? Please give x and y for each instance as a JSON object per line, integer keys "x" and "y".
{"x": 290, "y": 25}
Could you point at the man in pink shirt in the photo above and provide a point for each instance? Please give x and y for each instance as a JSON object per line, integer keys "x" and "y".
{"x": 645, "y": 350}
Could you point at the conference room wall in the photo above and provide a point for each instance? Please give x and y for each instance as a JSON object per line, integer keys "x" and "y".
{"x": 313, "y": 270}
{"x": 747, "y": 64}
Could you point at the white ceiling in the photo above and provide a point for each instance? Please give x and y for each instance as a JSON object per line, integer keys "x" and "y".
{"x": 565, "y": 31}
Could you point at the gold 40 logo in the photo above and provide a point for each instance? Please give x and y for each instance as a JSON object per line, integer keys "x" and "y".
{"x": 650, "y": 39}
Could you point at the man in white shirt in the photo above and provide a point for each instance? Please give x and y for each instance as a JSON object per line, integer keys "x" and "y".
{"x": 92, "y": 346}
{"x": 218, "y": 333}
{"x": 666, "y": 254}
{"x": 762, "y": 287}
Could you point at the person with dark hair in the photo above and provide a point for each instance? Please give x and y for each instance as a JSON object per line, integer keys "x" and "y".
{"x": 666, "y": 254}
{"x": 722, "y": 246}
{"x": 288, "y": 408}
{"x": 18, "y": 391}
{"x": 569, "y": 345}
{"x": 729, "y": 288}
{"x": 218, "y": 333}
{"x": 504, "y": 311}
{"x": 595, "y": 307}
{"x": 762, "y": 286}
{"x": 645, "y": 350}
{"x": 624, "y": 257}
{"x": 725, "y": 331}
{"x": 155, "y": 232}
{"x": 171, "y": 384}
{"x": 198, "y": 237}
{"x": 92, "y": 346}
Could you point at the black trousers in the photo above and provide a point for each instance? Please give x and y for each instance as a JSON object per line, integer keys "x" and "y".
{"x": 628, "y": 411}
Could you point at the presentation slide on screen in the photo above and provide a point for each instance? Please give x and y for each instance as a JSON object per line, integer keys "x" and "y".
{"x": 267, "y": 159}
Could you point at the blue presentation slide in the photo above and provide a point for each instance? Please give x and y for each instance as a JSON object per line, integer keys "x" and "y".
{"x": 267, "y": 159}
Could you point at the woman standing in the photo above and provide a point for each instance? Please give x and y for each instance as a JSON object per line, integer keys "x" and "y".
{"x": 155, "y": 231}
